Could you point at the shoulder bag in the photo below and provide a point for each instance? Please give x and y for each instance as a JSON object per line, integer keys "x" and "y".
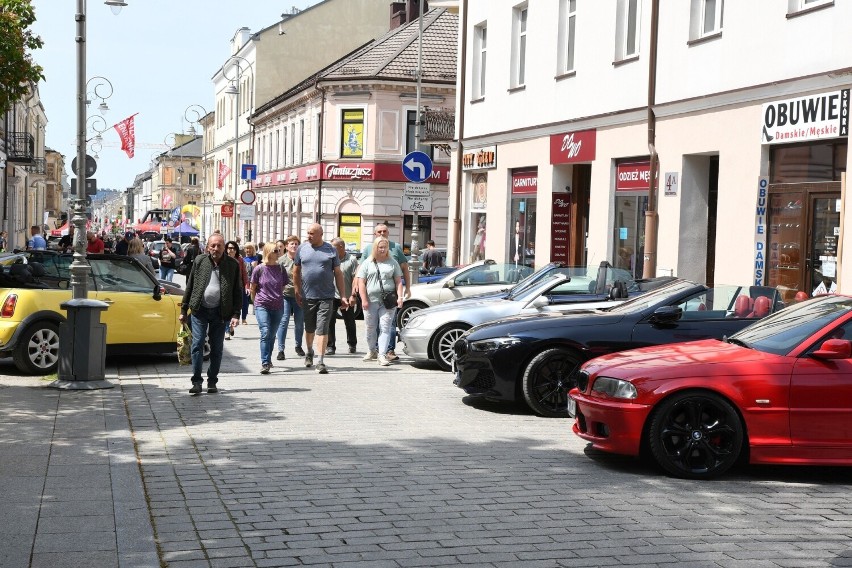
{"x": 389, "y": 299}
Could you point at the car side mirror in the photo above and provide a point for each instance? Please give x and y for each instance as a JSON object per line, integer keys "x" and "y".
{"x": 666, "y": 314}
{"x": 451, "y": 283}
{"x": 540, "y": 302}
{"x": 834, "y": 349}
{"x": 158, "y": 292}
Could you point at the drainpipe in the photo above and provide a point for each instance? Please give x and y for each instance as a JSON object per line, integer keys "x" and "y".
{"x": 319, "y": 153}
{"x": 456, "y": 252}
{"x": 649, "y": 265}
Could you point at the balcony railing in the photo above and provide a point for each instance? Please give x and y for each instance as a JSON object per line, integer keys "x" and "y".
{"x": 439, "y": 125}
{"x": 20, "y": 147}
{"x": 37, "y": 166}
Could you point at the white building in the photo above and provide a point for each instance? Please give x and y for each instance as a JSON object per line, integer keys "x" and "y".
{"x": 745, "y": 104}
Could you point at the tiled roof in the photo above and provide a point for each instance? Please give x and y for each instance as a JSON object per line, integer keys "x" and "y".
{"x": 394, "y": 56}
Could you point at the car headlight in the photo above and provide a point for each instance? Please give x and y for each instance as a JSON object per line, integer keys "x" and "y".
{"x": 493, "y": 344}
{"x": 614, "y": 388}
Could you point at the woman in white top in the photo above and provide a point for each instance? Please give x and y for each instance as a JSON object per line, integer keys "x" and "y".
{"x": 379, "y": 274}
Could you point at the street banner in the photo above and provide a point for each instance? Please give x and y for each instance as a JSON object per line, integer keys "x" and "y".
{"x": 223, "y": 173}
{"x": 127, "y": 132}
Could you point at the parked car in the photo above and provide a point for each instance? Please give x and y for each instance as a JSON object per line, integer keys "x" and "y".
{"x": 430, "y": 334}
{"x": 142, "y": 317}
{"x": 484, "y": 276}
{"x": 533, "y": 358}
{"x": 777, "y": 392}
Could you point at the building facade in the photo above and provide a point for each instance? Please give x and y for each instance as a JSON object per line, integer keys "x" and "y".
{"x": 594, "y": 98}
{"x": 333, "y": 147}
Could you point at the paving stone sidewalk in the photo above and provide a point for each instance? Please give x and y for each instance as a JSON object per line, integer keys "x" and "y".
{"x": 365, "y": 466}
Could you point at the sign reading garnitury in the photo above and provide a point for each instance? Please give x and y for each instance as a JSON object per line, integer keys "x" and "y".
{"x": 825, "y": 115}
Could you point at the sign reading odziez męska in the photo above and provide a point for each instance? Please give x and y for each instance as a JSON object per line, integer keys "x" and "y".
{"x": 814, "y": 117}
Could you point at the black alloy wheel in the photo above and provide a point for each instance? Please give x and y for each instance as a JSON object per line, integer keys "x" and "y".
{"x": 547, "y": 380}
{"x": 37, "y": 352}
{"x": 443, "y": 341}
{"x": 696, "y": 435}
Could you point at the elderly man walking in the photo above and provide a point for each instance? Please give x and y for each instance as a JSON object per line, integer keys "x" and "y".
{"x": 214, "y": 295}
{"x": 315, "y": 275}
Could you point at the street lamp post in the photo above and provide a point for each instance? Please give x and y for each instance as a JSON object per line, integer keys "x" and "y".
{"x": 234, "y": 89}
{"x": 197, "y": 112}
{"x": 82, "y": 336}
{"x": 415, "y": 229}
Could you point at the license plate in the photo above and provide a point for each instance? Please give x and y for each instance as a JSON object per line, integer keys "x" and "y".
{"x": 453, "y": 367}
{"x": 572, "y": 407}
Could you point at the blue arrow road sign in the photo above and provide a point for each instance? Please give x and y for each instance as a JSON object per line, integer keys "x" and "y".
{"x": 417, "y": 167}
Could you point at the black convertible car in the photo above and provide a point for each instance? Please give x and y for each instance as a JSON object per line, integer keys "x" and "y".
{"x": 533, "y": 358}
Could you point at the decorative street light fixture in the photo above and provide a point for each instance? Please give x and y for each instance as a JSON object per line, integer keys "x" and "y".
{"x": 234, "y": 89}
{"x": 81, "y": 363}
{"x": 193, "y": 115}
{"x": 99, "y": 83}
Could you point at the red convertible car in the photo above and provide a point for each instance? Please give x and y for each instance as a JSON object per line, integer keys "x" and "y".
{"x": 777, "y": 392}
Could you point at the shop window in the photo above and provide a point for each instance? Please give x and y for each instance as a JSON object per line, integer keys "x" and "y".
{"x": 566, "y": 41}
{"x": 352, "y": 134}
{"x": 522, "y": 231}
{"x": 627, "y": 30}
{"x": 519, "y": 45}
{"x": 411, "y": 143}
{"x": 794, "y": 7}
{"x": 629, "y": 235}
{"x": 477, "y": 239}
{"x": 809, "y": 162}
{"x": 480, "y": 49}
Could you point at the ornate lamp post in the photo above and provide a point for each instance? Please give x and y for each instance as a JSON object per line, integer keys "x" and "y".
{"x": 81, "y": 363}
{"x": 234, "y": 89}
{"x": 193, "y": 115}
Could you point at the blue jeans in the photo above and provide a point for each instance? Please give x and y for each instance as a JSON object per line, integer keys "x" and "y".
{"x": 167, "y": 273}
{"x": 379, "y": 321}
{"x": 291, "y": 307}
{"x": 208, "y": 322}
{"x": 245, "y": 304}
{"x": 268, "y": 321}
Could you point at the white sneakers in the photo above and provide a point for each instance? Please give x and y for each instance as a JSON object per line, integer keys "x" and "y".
{"x": 370, "y": 356}
{"x": 383, "y": 361}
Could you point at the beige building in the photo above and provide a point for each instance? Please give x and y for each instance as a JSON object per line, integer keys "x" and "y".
{"x": 54, "y": 206}
{"x": 177, "y": 177}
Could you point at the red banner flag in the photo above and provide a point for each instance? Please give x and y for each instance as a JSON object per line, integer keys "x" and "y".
{"x": 223, "y": 173}
{"x": 127, "y": 132}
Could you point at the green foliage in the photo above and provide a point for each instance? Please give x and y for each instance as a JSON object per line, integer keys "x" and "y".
{"x": 17, "y": 68}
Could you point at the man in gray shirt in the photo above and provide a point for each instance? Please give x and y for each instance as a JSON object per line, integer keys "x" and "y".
{"x": 315, "y": 274}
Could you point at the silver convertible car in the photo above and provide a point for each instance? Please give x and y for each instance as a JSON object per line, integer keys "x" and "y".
{"x": 429, "y": 334}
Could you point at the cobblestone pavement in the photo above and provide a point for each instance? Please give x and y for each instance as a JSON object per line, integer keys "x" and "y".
{"x": 370, "y": 466}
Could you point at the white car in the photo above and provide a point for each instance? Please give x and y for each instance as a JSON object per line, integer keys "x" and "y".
{"x": 481, "y": 277}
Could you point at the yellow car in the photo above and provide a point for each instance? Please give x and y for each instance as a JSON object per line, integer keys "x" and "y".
{"x": 142, "y": 316}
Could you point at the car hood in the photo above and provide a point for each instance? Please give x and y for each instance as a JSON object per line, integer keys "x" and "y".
{"x": 519, "y": 325}
{"x": 679, "y": 359}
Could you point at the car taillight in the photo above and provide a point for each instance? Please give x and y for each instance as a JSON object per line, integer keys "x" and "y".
{"x": 9, "y": 306}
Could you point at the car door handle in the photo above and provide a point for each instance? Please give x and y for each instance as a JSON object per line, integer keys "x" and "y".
{"x": 108, "y": 301}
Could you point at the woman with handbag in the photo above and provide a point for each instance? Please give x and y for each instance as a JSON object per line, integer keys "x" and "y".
{"x": 379, "y": 284}
{"x": 267, "y": 285}
{"x": 232, "y": 249}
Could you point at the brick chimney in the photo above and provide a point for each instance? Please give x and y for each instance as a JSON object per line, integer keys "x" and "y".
{"x": 403, "y": 12}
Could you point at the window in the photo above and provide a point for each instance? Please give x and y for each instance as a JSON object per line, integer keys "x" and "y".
{"x": 410, "y": 143}
{"x": 352, "y": 134}
{"x": 193, "y": 179}
{"x": 705, "y": 18}
{"x": 627, "y": 30}
{"x": 302, "y": 141}
{"x": 567, "y": 25}
{"x": 284, "y": 154}
{"x": 292, "y": 144}
{"x": 796, "y": 6}
{"x": 519, "y": 45}
{"x": 480, "y": 48}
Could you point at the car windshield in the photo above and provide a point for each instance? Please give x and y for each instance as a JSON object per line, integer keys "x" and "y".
{"x": 780, "y": 333}
{"x": 583, "y": 279}
{"x": 652, "y": 298}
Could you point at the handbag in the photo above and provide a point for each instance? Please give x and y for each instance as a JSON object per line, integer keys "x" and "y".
{"x": 184, "y": 344}
{"x": 389, "y": 299}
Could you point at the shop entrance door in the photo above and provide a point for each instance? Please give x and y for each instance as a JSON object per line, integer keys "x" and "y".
{"x": 804, "y": 231}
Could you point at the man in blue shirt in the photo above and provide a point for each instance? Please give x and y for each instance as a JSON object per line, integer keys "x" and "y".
{"x": 37, "y": 242}
{"x": 316, "y": 272}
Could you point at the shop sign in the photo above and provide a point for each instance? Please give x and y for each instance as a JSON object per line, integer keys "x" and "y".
{"x": 633, "y": 176}
{"x": 347, "y": 171}
{"x": 480, "y": 159}
{"x": 573, "y": 147}
{"x": 560, "y": 228}
{"x": 228, "y": 209}
{"x": 524, "y": 181}
{"x": 813, "y": 117}
{"x": 760, "y": 230}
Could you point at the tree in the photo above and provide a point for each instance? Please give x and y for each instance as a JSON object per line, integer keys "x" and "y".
{"x": 17, "y": 68}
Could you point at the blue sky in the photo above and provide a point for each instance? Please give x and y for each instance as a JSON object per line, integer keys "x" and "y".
{"x": 159, "y": 56}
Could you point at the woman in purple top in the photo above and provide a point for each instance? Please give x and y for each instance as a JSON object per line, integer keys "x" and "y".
{"x": 267, "y": 286}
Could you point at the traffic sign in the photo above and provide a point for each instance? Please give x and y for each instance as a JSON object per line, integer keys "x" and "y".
{"x": 91, "y": 166}
{"x": 248, "y": 196}
{"x": 91, "y": 187}
{"x": 417, "y": 166}
{"x": 248, "y": 171}
{"x": 417, "y": 197}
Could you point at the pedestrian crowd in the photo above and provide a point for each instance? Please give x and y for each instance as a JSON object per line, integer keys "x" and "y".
{"x": 313, "y": 282}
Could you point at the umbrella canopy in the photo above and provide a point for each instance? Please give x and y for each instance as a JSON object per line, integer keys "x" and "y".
{"x": 185, "y": 229}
